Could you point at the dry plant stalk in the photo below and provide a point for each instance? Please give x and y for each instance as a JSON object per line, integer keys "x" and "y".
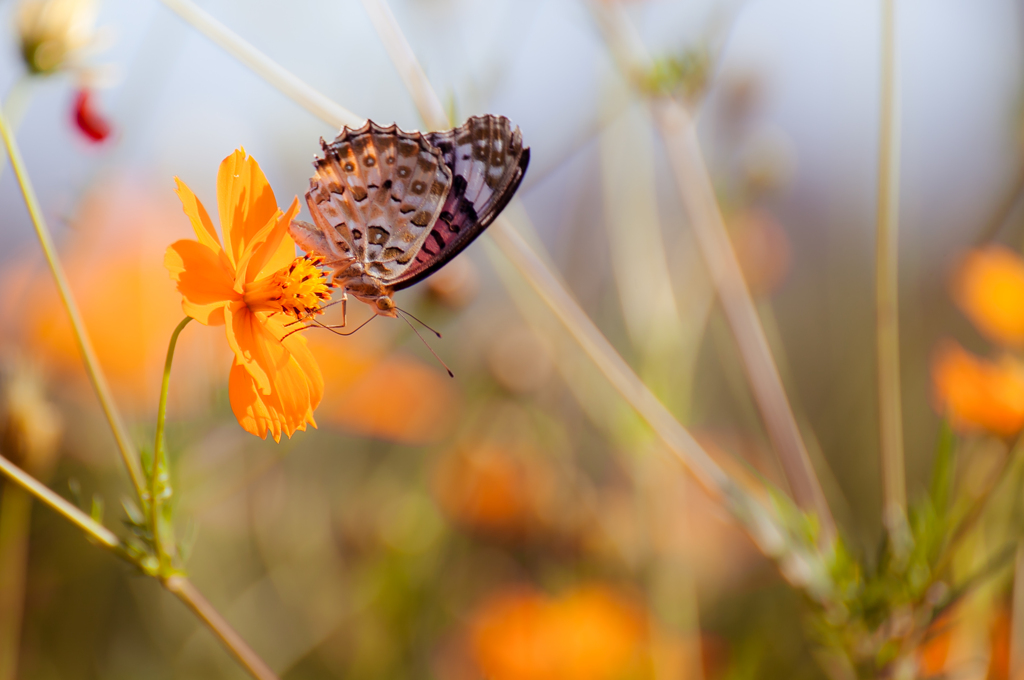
{"x": 890, "y": 410}
{"x": 695, "y": 188}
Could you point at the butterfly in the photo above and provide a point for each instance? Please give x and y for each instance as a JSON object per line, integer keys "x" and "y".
{"x": 390, "y": 207}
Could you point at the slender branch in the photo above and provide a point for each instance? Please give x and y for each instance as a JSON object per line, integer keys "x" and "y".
{"x": 94, "y": 529}
{"x": 894, "y": 510}
{"x": 695, "y": 188}
{"x": 156, "y": 482}
{"x": 694, "y": 185}
{"x": 201, "y": 607}
{"x": 92, "y": 364}
{"x": 301, "y": 93}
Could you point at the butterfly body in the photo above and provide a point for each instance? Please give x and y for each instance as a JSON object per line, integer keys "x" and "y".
{"x": 391, "y": 207}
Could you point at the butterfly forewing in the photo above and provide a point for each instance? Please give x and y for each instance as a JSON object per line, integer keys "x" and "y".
{"x": 487, "y": 162}
{"x": 374, "y": 198}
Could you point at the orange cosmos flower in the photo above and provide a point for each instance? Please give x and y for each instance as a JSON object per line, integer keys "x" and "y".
{"x": 979, "y": 394}
{"x": 255, "y": 287}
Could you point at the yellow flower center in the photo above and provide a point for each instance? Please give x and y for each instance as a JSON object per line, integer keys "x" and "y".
{"x": 296, "y": 290}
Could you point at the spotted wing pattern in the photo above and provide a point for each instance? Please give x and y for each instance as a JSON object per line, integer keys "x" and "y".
{"x": 487, "y": 162}
{"x": 375, "y": 195}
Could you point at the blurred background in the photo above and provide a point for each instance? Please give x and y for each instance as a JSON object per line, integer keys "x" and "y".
{"x": 518, "y": 522}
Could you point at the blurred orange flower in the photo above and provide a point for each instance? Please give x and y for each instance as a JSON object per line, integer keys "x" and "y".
{"x": 989, "y": 289}
{"x": 1000, "y": 630}
{"x": 592, "y": 633}
{"x": 379, "y": 393}
{"x": 490, "y": 489}
{"x": 933, "y": 653}
{"x": 976, "y": 393}
{"x": 255, "y": 287}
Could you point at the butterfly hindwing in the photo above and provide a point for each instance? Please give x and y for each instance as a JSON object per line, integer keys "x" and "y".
{"x": 487, "y": 162}
{"x": 375, "y": 195}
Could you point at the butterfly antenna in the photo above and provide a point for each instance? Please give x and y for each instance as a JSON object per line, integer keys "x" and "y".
{"x": 419, "y": 322}
{"x": 450, "y": 374}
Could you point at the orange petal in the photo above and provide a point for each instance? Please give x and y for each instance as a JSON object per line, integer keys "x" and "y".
{"x": 254, "y": 346}
{"x": 978, "y": 394}
{"x": 252, "y": 247}
{"x": 278, "y": 251}
{"x": 197, "y": 214}
{"x": 247, "y": 405}
{"x": 296, "y": 344}
{"x": 245, "y": 201}
{"x": 989, "y": 289}
{"x": 284, "y": 409}
{"x": 203, "y": 278}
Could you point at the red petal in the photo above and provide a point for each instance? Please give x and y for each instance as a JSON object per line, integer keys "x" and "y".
{"x": 89, "y": 121}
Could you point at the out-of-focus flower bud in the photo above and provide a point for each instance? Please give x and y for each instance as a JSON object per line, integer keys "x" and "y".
{"x": 29, "y": 424}
{"x": 762, "y": 247}
{"x": 989, "y": 289}
{"x": 455, "y": 285}
{"x": 492, "y": 490}
{"x": 53, "y": 33}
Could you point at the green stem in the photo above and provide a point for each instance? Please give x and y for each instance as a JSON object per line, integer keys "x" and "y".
{"x": 92, "y": 365}
{"x": 886, "y": 292}
{"x": 158, "y": 473}
{"x": 94, "y": 529}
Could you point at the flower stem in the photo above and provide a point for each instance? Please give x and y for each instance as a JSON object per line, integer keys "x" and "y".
{"x": 894, "y": 510}
{"x": 158, "y": 474}
{"x": 95, "y": 530}
{"x": 92, "y": 365}
{"x": 201, "y": 607}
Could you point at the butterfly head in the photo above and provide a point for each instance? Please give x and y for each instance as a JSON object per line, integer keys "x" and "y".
{"x": 385, "y": 306}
